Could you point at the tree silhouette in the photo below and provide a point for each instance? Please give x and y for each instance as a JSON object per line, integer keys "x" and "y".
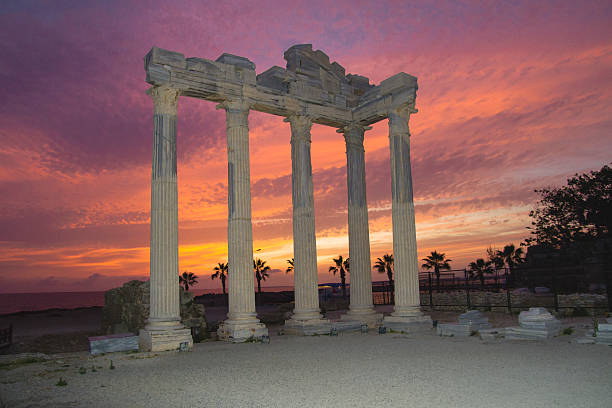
{"x": 479, "y": 269}
{"x": 261, "y": 272}
{"x": 290, "y": 268}
{"x": 220, "y": 272}
{"x": 579, "y": 212}
{"x": 187, "y": 279}
{"x": 436, "y": 261}
{"x": 341, "y": 267}
{"x": 385, "y": 265}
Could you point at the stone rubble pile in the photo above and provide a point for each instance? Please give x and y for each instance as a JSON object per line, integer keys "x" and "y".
{"x": 535, "y": 324}
{"x": 604, "y": 333}
{"x": 469, "y": 322}
{"x": 126, "y": 309}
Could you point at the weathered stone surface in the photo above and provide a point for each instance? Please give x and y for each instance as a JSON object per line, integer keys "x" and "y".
{"x": 113, "y": 343}
{"x": 408, "y": 324}
{"x": 475, "y": 319}
{"x": 242, "y": 322}
{"x": 165, "y": 340}
{"x": 603, "y": 335}
{"x": 310, "y": 83}
{"x": 126, "y": 309}
{"x": 453, "y": 329}
{"x": 491, "y": 334}
{"x": 307, "y": 327}
{"x": 347, "y": 325}
{"x": 469, "y": 322}
{"x": 306, "y": 314}
{"x": 535, "y": 324}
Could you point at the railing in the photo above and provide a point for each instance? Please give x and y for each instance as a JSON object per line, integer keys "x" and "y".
{"x": 546, "y": 283}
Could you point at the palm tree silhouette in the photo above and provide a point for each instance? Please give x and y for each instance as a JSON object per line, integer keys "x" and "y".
{"x": 290, "y": 268}
{"x": 479, "y": 269}
{"x": 261, "y": 272}
{"x": 188, "y": 279}
{"x": 436, "y": 261}
{"x": 220, "y": 272}
{"x": 385, "y": 265}
{"x": 511, "y": 257}
{"x": 342, "y": 267}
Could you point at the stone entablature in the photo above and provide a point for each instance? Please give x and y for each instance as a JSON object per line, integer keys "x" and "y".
{"x": 310, "y": 85}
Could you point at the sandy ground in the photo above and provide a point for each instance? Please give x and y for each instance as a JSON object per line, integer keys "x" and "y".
{"x": 352, "y": 370}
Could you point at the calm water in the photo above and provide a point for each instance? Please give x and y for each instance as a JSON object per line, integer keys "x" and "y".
{"x": 18, "y": 302}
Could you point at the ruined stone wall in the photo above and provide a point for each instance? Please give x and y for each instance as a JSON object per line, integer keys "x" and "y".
{"x": 497, "y": 302}
{"x": 126, "y": 309}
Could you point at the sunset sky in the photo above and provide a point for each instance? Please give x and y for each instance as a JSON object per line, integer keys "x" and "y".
{"x": 512, "y": 96}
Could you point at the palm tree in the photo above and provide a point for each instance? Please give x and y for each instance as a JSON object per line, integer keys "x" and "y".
{"x": 479, "y": 269}
{"x": 342, "y": 267}
{"x": 290, "y": 268}
{"x": 220, "y": 272}
{"x": 385, "y": 265}
{"x": 436, "y": 261}
{"x": 511, "y": 257}
{"x": 261, "y": 272}
{"x": 187, "y": 279}
{"x": 496, "y": 259}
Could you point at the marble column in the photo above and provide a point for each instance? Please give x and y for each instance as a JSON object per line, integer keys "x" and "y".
{"x": 407, "y": 315}
{"x": 361, "y": 306}
{"x": 306, "y": 319}
{"x": 164, "y": 330}
{"x": 242, "y": 322}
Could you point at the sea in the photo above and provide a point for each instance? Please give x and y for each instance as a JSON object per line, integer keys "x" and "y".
{"x": 30, "y": 302}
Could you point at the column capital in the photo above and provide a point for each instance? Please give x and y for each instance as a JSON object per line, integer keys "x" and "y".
{"x": 300, "y": 127}
{"x": 237, "y": 112}
{"x": 165, "y": 99}
{"x": 398, "y": 119}
{"x": 235, "y": 105}
{"x": 353, "y": 135}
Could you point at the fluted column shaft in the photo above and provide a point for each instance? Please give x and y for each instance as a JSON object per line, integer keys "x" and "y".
{"x": 241, "y": 292}
{"x": 407, "y": 300}
{"x": 304, "y": 240}
{"x": 358, "y": 230}
{"x": 164, "y": 281}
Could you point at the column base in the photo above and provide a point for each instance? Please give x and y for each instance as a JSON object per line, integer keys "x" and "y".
{"x": 408, "y": 320}
{"x": 365, "y": 316}
{"x": 165, "y": 340}
{"x": 239, "y": 331}
{"x": 307, "y": 327}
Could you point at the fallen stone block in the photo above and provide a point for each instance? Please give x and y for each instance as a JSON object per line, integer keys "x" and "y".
{"x": 346, "y": 325}
{"x": 453, "y": 329}
{"x": 113, "y": 343}
{"x": 522, "y": 333}
{"x": 491, "y": 334}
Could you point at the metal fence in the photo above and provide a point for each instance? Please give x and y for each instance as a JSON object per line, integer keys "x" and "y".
{"x": 546, "y": 283}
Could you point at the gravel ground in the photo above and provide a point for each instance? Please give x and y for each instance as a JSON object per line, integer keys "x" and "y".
{"x": 352, "y": 370}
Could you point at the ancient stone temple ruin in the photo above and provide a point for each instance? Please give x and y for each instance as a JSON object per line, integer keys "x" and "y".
{"x": 310, "y": 90}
